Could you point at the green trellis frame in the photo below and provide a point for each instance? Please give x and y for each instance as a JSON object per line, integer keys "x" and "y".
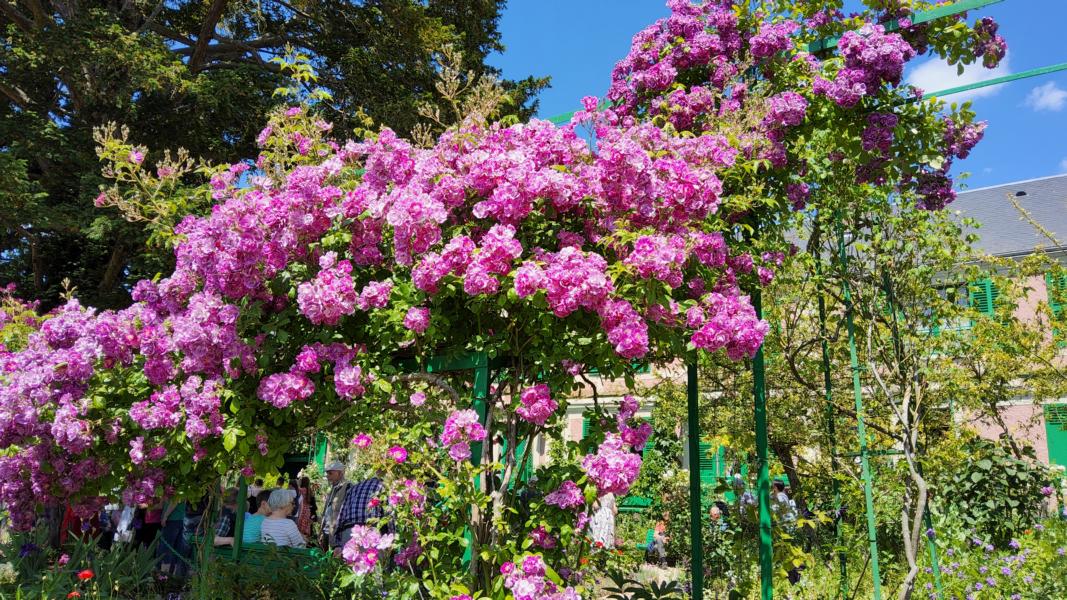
{"x": 480, "y": 363}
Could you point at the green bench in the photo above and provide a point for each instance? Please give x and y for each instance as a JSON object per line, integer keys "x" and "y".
{"x": 308, "y": 560}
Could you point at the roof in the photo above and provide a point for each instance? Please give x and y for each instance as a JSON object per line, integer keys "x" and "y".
{"x": 1005, "y": 231}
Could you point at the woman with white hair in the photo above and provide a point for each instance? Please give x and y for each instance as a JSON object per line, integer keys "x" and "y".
{"x": 277, "y": 528}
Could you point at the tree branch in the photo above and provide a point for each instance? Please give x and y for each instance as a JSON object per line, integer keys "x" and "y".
{"x": 22, "y": 21}
{"x": 40, "y": 16}
{"x": 207, "y": 30}
{"x": 16, "y": 95}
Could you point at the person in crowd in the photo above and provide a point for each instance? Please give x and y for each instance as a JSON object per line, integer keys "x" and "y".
{"x": 305, "y": 503}
{"x": 108, "y": 523}
{"x": 256, "y": 488}
{"x": 171, "y": 544}
{"x": 254, "y": 521}
{"x": 124, "y": 528}
{"x": 716, "y": 513}
{"x": 151, "y": 524}
{"x": 191, "y": 529}
{"x": 75, "y": 526}
{"x": 784, "y": 507}
{"x": 335, "y": 500}
{"x": 602, "y": 523}
{"x": 361, "y": 507}
{"x": 295, "y": 487}
{"x": 277, "y": 528}
{"x": 657, "y": 550}
{"x": 226, "y": 525}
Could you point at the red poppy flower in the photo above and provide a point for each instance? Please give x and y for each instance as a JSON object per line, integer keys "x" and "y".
{"x": 84, "y": 575}
{"x": 74, "y": 594}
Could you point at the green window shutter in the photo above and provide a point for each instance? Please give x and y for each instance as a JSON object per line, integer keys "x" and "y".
{"x": 984, "y": 295}
{"x": 585, "y": 427}
{"x": 710, "y": 464}
{"x": 1056, "y": 433}
{"x": 1057, "y": 291}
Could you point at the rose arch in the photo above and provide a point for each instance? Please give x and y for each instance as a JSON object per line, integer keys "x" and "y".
{"x": 328, "y": 267}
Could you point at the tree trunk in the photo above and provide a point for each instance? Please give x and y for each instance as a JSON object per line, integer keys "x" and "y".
{"x": 113, "y": 271}
{"x": 785, "y": 456}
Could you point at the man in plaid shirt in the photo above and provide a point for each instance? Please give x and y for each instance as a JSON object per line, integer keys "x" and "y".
{"x": 361, "y": 506}
{"x": 348, "y": 505}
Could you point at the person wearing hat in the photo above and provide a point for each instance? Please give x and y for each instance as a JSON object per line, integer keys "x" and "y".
{"x": 339, "y": 488}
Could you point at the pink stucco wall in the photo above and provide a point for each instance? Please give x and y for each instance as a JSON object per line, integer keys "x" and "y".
{"x": 1025, "y": 422}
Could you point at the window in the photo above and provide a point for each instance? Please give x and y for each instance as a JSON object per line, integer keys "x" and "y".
{"x": 1056, "y": 433}
{"x": 1056, "y": 286}
{"x": 1057, "y": 292}
{"x": 984, "y": 294}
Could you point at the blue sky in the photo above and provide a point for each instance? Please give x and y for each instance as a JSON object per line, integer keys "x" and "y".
{"x": 578, "y": 42}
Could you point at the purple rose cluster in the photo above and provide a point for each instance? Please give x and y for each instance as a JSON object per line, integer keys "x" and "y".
{"x": 685, "y": 68}
{"x": 527, "y": 579}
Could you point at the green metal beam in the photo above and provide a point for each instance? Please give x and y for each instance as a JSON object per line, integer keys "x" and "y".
{"x": 998, "y": 80}
{"x": 480, "y": 364}
{"x": 763, "y": 482}
{"x": 696, "y": 537}
{"x": 861, "y": 426}
{"x": 924, "y": 17}
{"x": 831, "y": 439}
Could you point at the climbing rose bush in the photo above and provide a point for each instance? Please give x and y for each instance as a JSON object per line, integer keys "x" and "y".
{"x": 331, "y": 267}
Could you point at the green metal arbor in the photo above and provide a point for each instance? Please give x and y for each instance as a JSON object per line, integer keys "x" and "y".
{"x": 479, "y": 363}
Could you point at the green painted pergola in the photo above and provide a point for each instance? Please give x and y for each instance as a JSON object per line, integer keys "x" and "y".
{"x": 480, "y": 364}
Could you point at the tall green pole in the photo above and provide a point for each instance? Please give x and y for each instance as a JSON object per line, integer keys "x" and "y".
{"x": 763, "y": 483}
{"x": 481, "y": 395}
{"x": 696, "y": 535}
{"x": 831, "y": 435}
{"x": 861, "y": 426}
{"x": 239, "y": 517}
{"x": 931, "y": 546}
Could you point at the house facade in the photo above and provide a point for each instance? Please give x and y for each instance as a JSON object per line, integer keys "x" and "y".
{"x": 1004, "y": 233}
{"x": 1019, "y": 219}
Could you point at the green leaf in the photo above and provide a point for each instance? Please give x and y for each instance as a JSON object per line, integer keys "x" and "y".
{"x": 229, "y": 439}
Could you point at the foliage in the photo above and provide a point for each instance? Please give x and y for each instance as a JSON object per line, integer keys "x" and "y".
{"x": 271, "y": 572}
{"x": 994, "y": 493}
{"x": 1028, "y": 566}
{"x": 196, "y": 76}
{"x": 126, "y": 571}
{"x": 301, "y": 301}
{"x": 624, "y": 588}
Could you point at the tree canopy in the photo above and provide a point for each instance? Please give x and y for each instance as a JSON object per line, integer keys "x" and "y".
{"x": 192, "y": 75}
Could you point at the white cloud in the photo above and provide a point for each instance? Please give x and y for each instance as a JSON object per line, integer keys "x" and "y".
{"x": 1047, "y": 97}
{"x": 1063, "y": 165}
{"x": 935, "y": 75}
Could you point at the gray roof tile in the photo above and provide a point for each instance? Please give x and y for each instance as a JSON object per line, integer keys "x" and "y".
{"x": 1004, "y": 231}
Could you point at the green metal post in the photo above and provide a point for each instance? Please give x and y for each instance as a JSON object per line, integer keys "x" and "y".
{"x": 861, "y": 426}
{"x": 831, "y": 435}
{"x": 481, "y": 395}
{"x": 239, "y": 517}
{"x": 696, "y": 536}
{"x": 763, "y": 482}
{"x": 931, "y": 546}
